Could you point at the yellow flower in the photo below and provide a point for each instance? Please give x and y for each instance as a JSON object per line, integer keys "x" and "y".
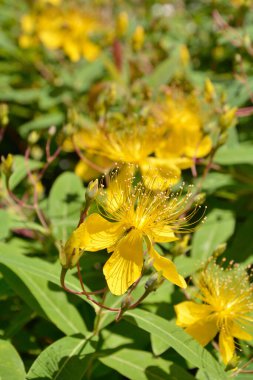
{"x": 185, "y": 137}
{"x": 226, "y": 309}
{"x": 121, "y": 24}
{"x": 131, "y": 143}
{"x": 66, "y": 28}
{"x": 138, "y": 38}
{"x": 129, "y": 221}
{"x": 184, "y": 55}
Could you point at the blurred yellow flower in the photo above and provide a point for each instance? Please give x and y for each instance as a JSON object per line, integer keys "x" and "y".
{"x": 121, "y": 24}
{"x": 129, "y": 220}
{"x": 184, "y": 55}
{"x": 241, "y": 3}
{"x": 138, "y": 38}
{"x": 226, "y": 309}
{"x": 131, "y": 142}
{"x": 57, "y": 27}
{"x": 185, "y": 141}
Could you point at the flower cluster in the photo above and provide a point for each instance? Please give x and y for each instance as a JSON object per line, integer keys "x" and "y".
{"x": 62, "y": 27}
{"x": 161, "y": 136}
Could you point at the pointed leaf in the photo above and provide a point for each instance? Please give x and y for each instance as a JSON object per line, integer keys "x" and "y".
{"x": 179, "y": 340}
{"x": 63, "y": 360}
{"x": 141, "y": 365}
{"x": 11, "y": 365}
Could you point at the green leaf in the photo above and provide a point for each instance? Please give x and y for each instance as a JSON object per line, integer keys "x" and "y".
{"x": 162, "y": 74}
{"x": 64, "y": 204}
{"x": 241, "y": 154}
{"x": 186, "y": 265}
{"x": 20, "y": 166}
{"x": 11, "y": 365}
{"x": 141, "y": 365}
{"x": 4, "y": 225}
{"x": 81, "y": 78}
{"x": 179, "y": 340}
{"x": 21, "y": 318}
{"x": 66, "y": 359}
{"x": 24, "y": 96}
{"x": 41, "y": 122}
{"x": 242, "y": 242}
{"x": 215, "y": 181}
{"x": 32, "y": 280}
{"x": 159, "y": 346}
{"x": 217, "y": 229}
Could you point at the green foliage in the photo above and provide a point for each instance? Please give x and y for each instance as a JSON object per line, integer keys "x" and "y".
{"x": 50, "y": 327}
{"x": 11, "y": 366}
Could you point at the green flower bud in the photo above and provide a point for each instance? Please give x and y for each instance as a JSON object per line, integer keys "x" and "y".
{"x": 154, "y": 281}
{"x": 7, "y": 165}
{"x": 4, "y": 119}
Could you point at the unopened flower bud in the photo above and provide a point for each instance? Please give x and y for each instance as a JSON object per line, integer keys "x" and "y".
{"x": 52, "y": 130}
{"x": 92, "y": 190}
{"x": 138, "y": 38}
{"x": 126, "y": 302}
{"x": 223, "y": 138}
{"x": 220, "y": 250}
{"x": 154, "y": 281}
{"x": 36, "y": 152}
{"x": 4, "y": 119}
{"x": 33, "y": 137}
{"x": 238, "y": 58}
{"x": 122, "y": 24}
{"x": 110, "y": 95}
{"x": 228, "y": 118}
{"x": 70, "y": 253}
{"x": 247, "y": 41}
{"x": 184, "y": 55}
{"x": 7, "y": 165}
{"x": 200, "y": 199}
{"x": 209, "y": 91}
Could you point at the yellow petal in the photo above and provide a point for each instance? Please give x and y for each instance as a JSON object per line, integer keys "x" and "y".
{"x": 200, "y": 148}
{"x": 125, "y": 265}
{"x": 189, "y": 312}
{"x": 72, "y": 49}
{"x": 167, "y": 267}
{"x": 93, "y": 234}
{"x": 97, "y": 233}
{"x": 227, "y": 346}
{"x": 90, "y": 51}
{"x": 85, "y": 172}
{"x": 26, "y": 41}
{"x": 51, "y": 39}
{"x": 203, "y": 330}
{"x": 28, "y": 23}
{"x": 182, "y": 162}
{"x": 119, "y": 188}
{"x": 163, "y": 234}
{"x": 238, "y": 332}
{"x": 159, "y": 174}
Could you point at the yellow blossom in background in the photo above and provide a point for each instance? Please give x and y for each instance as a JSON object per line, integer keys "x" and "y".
{"x": 184, "y": 55}
{"x": 185, "y": 139}
{"x": 226, "y": 309}
{"x": 52, "y": 2}
{"x": 130, "y": 218}
{"x": 62, "y": 27}
{"x": 138, "y": 38}
{"x": 122, "y": 24}
{"x": 95, "y": 165}
{"x": 241, "y": 3}
{"x": 128, "y": 141}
